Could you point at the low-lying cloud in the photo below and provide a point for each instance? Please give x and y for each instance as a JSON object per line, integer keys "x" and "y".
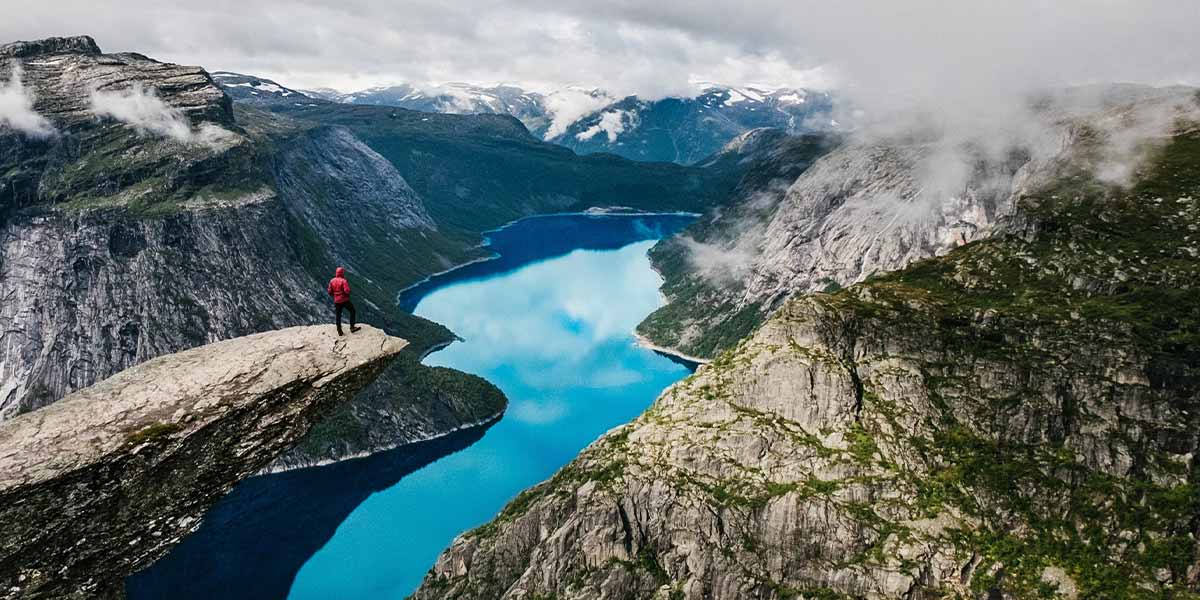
{"x": 612, "y": 123}
{"x": 728, "y": 261}
{"x": 141, "y": 108}
{"x": 16, "y": 108}
{"x": 568, "y": 105}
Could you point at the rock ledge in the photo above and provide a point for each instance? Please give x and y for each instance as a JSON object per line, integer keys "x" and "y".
{"x": 103, "y": 482}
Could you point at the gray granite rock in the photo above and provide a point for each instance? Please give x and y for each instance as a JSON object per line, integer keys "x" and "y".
{"x": 106, "y": 480}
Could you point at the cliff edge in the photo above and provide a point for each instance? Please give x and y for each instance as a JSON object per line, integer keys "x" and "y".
{"x": 105, "y": 481}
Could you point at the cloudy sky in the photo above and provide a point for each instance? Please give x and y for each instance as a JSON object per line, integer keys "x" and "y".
{"x": 884, "y": 48}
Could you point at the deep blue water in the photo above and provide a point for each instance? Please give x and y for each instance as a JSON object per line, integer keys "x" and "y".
{"x": 550, "y": 322}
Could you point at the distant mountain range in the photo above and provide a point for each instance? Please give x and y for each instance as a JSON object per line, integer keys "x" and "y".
{"x": 257, "y": 90}
{"x": 588, "y": 120}
{"x": 455, "y": 98}
{"x": 688, "y": 130}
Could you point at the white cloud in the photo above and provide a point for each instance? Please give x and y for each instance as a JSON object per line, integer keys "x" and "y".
{"x": 143, "y": 110}
{"x": 571, "y": 104}
{"x": 612, "y": 123}
{"x": 971, "y": 63}
{"x": 16, "y": 108}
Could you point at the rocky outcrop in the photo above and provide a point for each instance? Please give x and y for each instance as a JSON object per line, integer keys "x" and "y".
{"x": 61, "y": 73}
{"x": 1014, "y": 419}
{"x": 50, "y": 46}
{"x": 103, "y": 482}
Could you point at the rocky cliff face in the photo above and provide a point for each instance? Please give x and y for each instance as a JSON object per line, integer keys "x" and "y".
{"x": 131, "y": 234}
{"x": 121, "y": 242}
{"x": 92, "y": 286}
{"x": 103, "y": 482}
{"x": 89, "y": 294}
{"x": 857, "y": 211}
{"x": 1014, "y": 419}
{"x": 808, "y": 216}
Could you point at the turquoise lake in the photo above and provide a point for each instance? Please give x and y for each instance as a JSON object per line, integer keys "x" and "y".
{"x": 550, "y": 322}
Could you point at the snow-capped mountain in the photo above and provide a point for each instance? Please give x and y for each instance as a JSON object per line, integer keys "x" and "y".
{"x": 686, "y": 130}
{"x": 257, "y": 90}
{"x": 588, "y": 120}
{"x": 454, "y": 98}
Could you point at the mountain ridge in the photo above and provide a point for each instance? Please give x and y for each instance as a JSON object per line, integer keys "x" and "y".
{"x": 683, "y": 130}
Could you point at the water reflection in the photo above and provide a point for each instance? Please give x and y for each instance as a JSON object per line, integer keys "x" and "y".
{"x": 554, "y": 334}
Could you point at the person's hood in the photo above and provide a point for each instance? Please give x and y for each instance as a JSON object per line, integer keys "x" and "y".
{"x": 340, "y": 272}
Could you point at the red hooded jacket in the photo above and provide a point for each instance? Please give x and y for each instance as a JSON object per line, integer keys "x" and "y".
{"x": 339, "y": 288}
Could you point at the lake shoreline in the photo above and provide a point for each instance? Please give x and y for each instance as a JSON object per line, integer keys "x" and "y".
{"x": 549, "y": 326}
{"x": 612, "y": 211}
{"x": 645, "y": 342}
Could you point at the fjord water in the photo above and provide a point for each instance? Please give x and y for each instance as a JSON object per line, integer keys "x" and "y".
{"x": 550, "y": 322}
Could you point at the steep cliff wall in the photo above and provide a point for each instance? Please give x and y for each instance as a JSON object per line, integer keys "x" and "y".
{"x": 122, "y": 238}
{"x": 858, "y": 210}
{"x": 88, "y": 294}
{"x": 1015, "y": 419}
{"x": 105, "y": 481}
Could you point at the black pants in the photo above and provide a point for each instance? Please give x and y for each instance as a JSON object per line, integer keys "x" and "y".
{"x": 337, "y": 311}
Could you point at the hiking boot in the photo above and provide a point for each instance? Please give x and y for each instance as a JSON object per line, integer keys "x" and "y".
{"x": 354, "y": 328}
{"x": 340, "y": 332}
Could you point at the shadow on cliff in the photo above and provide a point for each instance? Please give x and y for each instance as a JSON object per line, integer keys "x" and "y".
{"x": 254, "y": 541}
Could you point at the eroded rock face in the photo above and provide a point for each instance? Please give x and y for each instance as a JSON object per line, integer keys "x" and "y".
{"x": 103, "y": 482}
{"x": 862, "y": 210}
{"x": 859, "y": 210}
{"x": 60, "y": 73}
{"x": 89, "y": 294}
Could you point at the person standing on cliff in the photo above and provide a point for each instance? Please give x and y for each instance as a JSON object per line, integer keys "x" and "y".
{"x": 339, "y": 289}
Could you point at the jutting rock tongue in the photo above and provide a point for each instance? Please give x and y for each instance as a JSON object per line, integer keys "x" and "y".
{"x": 178, "y": 431}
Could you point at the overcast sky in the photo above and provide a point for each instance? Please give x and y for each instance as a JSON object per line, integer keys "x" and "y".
{"x": 956, "y": 49}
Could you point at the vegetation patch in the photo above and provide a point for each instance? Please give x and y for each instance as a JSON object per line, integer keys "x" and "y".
{"x": 152, "y": 433}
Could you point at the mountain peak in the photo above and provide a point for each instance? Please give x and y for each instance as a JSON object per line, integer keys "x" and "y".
{"x": 79, "y": 44}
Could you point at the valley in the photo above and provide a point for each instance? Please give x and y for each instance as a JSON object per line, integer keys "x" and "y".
{"x": 549, "y": 323}
{"x": 751, "y": 342}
